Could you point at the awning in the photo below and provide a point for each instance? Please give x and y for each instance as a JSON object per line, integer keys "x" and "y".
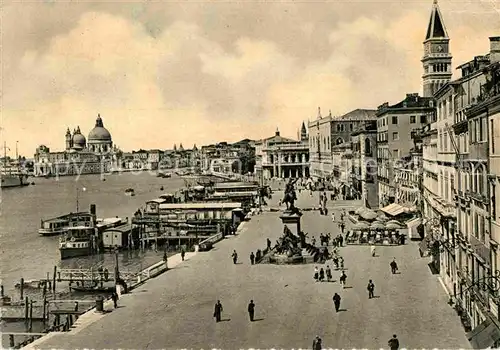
{"x": 393, "y": 209}
{"x": 484, "y": 335}
{"x": 414, "y": 222}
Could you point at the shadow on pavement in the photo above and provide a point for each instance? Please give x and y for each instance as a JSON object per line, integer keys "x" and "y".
{"x": 258, "y": 319}
{"x": 225, "y": 320}
{"x": 342, "y": 310}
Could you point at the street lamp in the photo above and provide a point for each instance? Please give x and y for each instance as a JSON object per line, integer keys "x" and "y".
{"x": 77, "y": 197}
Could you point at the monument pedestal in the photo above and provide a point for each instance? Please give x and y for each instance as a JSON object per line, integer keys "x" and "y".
{"x": 292, "y": 221}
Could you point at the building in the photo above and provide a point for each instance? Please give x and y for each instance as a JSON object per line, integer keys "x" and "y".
{"x": 93, "y": 155}
{"x": 394, "y": 124}
{"x": 327, "y": 132}
{"x": 281, "y": 157}
{"x": 476, "y": 109}
{"x": 364, "y": 163}
{"x": 223, "y": 157}
{"x": 342, "y": 177}
{"x": 407, "y": 178}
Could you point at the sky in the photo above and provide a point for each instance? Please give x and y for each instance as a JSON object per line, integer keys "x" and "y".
{"x": 197, "y": 72}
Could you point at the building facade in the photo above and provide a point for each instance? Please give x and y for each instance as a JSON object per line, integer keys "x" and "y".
{"x": 281, "y": 157}
{"x": 397, "y": 125}
{"x": 93, "y": 155}
{"x": 327, "y": 132}
{"x": 364, "y": 163}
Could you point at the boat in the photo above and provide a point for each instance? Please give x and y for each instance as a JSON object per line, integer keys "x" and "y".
{"x": 82, "y": 240}
{"x": 77, "y": 241}
{"x": 31, "y": 284}
{"x": 60, "y": 224}
{"x": 163, "y": 175}
{"x": 130, "y": 192}
{"x": 11, "y": 174}
{"x": 91, "y": 289}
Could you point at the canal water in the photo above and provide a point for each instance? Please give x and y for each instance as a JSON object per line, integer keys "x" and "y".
{"x": 26, "y": 254}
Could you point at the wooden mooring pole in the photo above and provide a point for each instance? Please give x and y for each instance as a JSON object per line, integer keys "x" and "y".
{"x": 31, "y": 316}
{"x": 22, "y": 288}
{"x": 54, "y": 282}
{"x": 26, "y": 310}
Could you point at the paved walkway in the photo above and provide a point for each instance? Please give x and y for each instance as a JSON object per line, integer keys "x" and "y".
{"x": 175, "y": 309}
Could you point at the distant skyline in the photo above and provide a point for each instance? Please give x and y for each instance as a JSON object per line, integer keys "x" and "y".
{"x": 165, "y": 73}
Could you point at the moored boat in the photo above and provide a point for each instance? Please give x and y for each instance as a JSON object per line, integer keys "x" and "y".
{"x": 91, "y": 289}
{"x": 77, "y": 241}
{"x": 60, "y": 224}
{"x": 130, "y": 192}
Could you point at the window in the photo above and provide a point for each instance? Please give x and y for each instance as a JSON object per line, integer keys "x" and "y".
{"x": 394, "y": 120}
{"x": 423, "y": 119}
{"x": 412, "y": 119}
{"x": 492, "y": 132}
{"x": 395, "y": 153}
{"x": 351, "y": 127}
{"x": 395, "y": 136}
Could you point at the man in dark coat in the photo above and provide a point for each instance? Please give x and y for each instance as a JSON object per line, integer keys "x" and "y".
{"x": 393, "y": 343}
{"x": 251, "y": 310}
{"x": 394, "y": 266}
{"x": 336, "y": 301}
{"x": 268, "y": 243}
{"x": 317, "y": 345}
{"x": 235, "y": 257}
{"x": 252, "y": 258}
{"x": 371, "y": 289}
{"x": 183, "y": 254}
{"x": 218, "y": 311}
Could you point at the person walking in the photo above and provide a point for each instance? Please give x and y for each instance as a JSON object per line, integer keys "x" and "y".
{"x": 268, "y": 244}
{"x": 328, "y": 274}
{"x": 394, "y": 266}
{"x": 371, "y": 289}
{"x": 336, "y": 301}
{"x": 372, "y": 250}
{"x": 317, "y": 344}
{"x": 333, "y": 217}
{"x": 341, "y": 262}
{"x": 341, "y": 240}
{"x": 252, "y": 258}
{"x": 393, "y": 343}
{"x": 251, "y": 310}
{"x": 316, "y": 274}
{"x": 343, "y": 279}
{"x": 342, "y": 227}
{"x": 183, "y": 254}
{"x": 114, "y": 297}
{"x": 234, "y": 256}
{"x": 218, "y": 311}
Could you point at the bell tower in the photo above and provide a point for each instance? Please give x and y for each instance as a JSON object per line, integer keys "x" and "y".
{"x": 437, "y": 57}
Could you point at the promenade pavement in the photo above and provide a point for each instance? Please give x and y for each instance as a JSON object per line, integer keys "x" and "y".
{"x": 175, "y": 309}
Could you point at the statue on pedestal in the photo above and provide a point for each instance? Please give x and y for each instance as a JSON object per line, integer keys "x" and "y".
{"x": 290, "y": 195}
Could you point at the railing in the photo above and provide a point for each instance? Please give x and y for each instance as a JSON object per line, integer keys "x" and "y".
{"x": 207, "y": 243}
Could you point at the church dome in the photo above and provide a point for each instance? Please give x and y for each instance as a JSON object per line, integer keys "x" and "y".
{"x": 99, "y": 132}
{"x": 79, "y": 140}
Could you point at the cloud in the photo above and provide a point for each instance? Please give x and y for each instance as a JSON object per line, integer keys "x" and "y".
{"x": 161, "y": 74}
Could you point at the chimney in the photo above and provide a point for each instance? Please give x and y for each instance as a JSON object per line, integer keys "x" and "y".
{"x": 494, "y": 49}
{"x": 277, "y": 132}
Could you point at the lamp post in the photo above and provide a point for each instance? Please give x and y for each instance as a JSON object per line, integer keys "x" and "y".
{"x": 77, "y": 197}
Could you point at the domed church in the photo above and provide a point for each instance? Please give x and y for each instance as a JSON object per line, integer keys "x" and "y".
{"x": 92, "y": 155}
{"x": 99, "y": 139}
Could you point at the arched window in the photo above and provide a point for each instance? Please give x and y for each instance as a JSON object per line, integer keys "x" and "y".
{"x": 480, "y": 180}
